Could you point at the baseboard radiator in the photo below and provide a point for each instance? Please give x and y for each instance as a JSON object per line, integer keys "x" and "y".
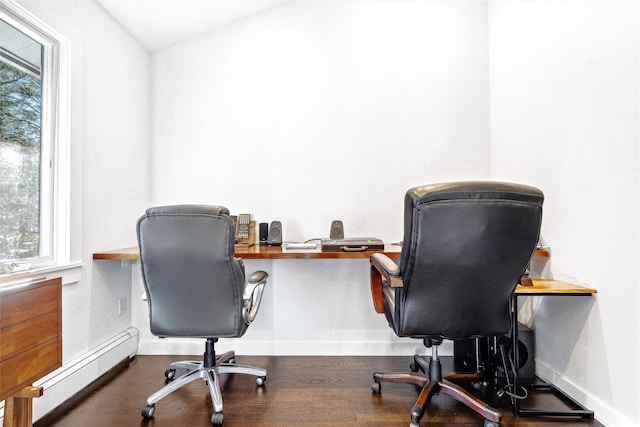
{"x": 72, "y": 377}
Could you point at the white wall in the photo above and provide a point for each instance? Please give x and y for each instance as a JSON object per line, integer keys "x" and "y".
{"x": 564, "y": 117}
{"x": 324, "y": 110}
{"x": 109, "y": 165}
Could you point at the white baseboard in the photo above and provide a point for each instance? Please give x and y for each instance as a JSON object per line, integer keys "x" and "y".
{"x": 603, "y": 411}
{"x": 66, "y": 381}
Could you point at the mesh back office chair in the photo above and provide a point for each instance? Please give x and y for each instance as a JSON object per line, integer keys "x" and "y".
{"x": 196, "y": 288}
{"x": 466, "y": 246}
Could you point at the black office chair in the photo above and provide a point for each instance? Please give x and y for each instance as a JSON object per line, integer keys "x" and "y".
{"x": 466, "y": 246}
{"x": 196, "y": 288}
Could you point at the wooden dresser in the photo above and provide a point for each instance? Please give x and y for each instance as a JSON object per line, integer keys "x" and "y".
{"x": 30, "y": 343}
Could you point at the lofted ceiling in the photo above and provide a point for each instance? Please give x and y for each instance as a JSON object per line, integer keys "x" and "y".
{"x": 158, "y": 24}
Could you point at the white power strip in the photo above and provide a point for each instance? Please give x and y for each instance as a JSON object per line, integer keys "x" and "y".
{"x": 300, "y": 245}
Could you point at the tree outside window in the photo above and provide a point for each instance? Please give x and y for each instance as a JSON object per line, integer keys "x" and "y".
{"x": 20, "y": 157}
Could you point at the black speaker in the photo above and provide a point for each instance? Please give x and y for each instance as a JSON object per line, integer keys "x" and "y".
{"x": 470, "y": 355}
{"x": 274, "y": 238}
{"x": 466, "y": 356}
{"x": 264, "y": 232}
{"x": 337, "y": 230}
{"x": 526, "y": 351}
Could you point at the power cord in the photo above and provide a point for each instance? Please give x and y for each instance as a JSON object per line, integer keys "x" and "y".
{"x": 507, "y": 389}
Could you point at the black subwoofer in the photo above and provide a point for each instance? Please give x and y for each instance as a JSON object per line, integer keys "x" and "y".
{"x": 526, "y": 350}
{"x": 472, "y": 355}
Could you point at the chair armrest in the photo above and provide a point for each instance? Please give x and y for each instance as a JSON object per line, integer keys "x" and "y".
{"x": 382, "y": 269}
{"x": 388, "y": 269}
{"x": 240, "y": 262}
{"x": 253, "y": 295}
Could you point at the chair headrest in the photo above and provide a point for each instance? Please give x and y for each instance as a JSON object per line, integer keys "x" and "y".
{"x": 188, "y": 210}
{"x": 474, "y": 190}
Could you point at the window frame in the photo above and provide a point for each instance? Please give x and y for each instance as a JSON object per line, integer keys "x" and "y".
{"x": 55, "y": 170}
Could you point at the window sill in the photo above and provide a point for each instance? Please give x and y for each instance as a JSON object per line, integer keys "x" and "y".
{"x": 70, "y": 273}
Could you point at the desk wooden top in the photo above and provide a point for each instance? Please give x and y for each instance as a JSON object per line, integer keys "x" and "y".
{"x": 540, "y": 286}
{"x": 280, "y": 252}
{"x": 275, "y": 252}
{"x": 553, "y": 287}
{"x": 126, "y": 254}
{"x": 263, "y": 252}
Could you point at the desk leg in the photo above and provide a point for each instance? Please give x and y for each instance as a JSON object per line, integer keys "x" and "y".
{"x": 515, "y": 402}
{"x": 18, "y": 409}
{"x": 580, "y": 410}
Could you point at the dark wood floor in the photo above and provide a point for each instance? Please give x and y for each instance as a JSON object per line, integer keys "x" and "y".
{"x": 300, "y": 391}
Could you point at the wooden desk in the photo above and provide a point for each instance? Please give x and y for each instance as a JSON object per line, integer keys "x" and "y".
{"x": 540, "y": 287}
{"x": 545, "y": 288}
{"x": 126, "y": 254}
{"x": 264, "y": 252}
{"x": 277, "y": 252}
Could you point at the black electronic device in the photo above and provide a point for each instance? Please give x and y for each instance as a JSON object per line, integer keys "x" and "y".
{"x": 245, "y": 229}
{"x": 352, "y": 244}
{"x": 526, "y": 351}
{"x": 337, "y": 230}
{"x": 274, "y": 238}
{"x": 264, "y": 232}
{"x": 472, "y": 355}
{"x": 468, "y": 356}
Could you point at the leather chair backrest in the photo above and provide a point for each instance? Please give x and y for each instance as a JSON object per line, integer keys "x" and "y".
{"x": 193, "y": 282}
{"x": 466, "y": 245}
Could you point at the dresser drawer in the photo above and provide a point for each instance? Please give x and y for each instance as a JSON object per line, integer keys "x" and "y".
{"x": 30, "y": 334}
{"x": 29, "y": 366}
{"x": 22, "y": 336}
{"x": 20, "y": 304}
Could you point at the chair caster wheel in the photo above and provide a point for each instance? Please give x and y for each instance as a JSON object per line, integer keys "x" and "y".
{"x": 413, "y": 367}
{"x": 376, "y": 387}
{"x": 416, "y": 415}
{"x": 148, "y": 411}
{"x": 170, "y": 375}
{"x": 217, "y": 419}
{"x": 260, "y": 381}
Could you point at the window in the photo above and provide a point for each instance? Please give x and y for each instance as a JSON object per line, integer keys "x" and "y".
{"x": 33, "y": 193}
